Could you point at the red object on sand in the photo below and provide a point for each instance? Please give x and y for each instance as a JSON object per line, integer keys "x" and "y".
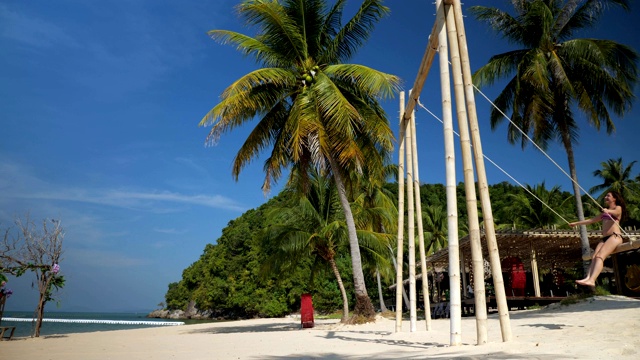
{"x": 306, "y": 311}
{"x": 516, "y": 276}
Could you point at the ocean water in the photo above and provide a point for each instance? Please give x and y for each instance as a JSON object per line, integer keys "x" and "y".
{"x": 25, "y": 329}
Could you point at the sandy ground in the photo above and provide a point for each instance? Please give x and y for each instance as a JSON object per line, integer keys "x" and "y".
{"x": 603, "y": 327}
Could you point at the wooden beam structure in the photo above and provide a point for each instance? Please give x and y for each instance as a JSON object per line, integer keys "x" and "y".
{"x": 423, "y": 71}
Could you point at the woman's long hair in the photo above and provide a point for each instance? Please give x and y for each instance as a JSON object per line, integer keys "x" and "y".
{"x": 620, "y": 202}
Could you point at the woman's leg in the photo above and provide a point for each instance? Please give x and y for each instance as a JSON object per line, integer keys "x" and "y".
{"x": 591, "y": 266}
{"x": 598, "y": 259}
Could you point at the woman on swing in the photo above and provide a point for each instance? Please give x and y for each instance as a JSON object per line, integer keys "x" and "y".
{"x": 612, "y": 215}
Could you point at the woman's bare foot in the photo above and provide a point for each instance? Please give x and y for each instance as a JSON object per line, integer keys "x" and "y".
{"x": 585, "y": 282}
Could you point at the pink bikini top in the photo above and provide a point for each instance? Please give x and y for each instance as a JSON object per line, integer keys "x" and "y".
{"x": 607, "y": 216}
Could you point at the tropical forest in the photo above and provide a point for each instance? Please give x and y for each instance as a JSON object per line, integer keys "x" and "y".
{"x": 296, "y": 244}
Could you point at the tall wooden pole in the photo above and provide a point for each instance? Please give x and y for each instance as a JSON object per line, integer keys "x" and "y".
{"x": 423, "y": 71}
{"x": 450, "y": 166}
{"x": 483, "y": 185}
{"x": 411, "y": 237}
{"x": 423, "y": 256}
{"x": 469, "y": 185}
{"x": 399, "y": 257}
{"x": 463, "y": 274}
{"x": 534, "y": 271}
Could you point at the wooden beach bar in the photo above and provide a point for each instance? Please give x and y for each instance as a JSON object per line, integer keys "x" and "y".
{"x": 528, "y": 255}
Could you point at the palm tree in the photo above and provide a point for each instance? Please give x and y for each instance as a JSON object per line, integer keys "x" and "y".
{"x": 313, "y": 227}
{"x": 553, "y": 74}
{"x": 375, "y": 213}
{"x": 530, "y": 210}
{"x": 312, "y": 108}
{"x": 434, "y": 218}
{"x": 615, "y": 177}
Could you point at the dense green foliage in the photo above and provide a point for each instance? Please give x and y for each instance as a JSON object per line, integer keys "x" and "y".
{"x": 229, "y": 278}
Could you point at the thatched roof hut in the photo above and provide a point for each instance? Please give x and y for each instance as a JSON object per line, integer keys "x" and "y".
{"x": 538, "y": 249}
{"x": 552, "y": 248}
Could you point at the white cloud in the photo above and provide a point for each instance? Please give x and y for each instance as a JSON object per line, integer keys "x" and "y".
{"x": 19, "y": 183}
{"x": 102, "y": 259}
{"x": 170, "y": 231}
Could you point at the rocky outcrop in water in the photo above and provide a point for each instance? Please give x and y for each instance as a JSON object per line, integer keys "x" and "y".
{"x": 191, "y": 313}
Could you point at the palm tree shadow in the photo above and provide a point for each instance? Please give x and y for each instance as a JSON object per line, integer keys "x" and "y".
{"x": 394, "y": 355}
{"x": 344, "y": 336}
{"x": 548, "y": 326}
{"x": 256, "y": 328}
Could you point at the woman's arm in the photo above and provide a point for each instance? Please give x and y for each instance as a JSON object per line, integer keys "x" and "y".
{"x": 594, "y": 219}
{"x": 617, "y": 212}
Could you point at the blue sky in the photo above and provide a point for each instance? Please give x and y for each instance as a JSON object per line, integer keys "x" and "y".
{"x": 100, "y": 104}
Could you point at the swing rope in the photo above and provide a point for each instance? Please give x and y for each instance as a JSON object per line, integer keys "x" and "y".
{"x": 536, "y": 145}
{"x": 501, "y": 169}
{"x": 549, "y": 157}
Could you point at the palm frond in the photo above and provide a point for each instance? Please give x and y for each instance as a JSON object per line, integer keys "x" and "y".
{"x": 249, "y": 46}
{"x": 585, "y": 16}
{"x": 277, "y": 30}
{"x": 253, "y": 93}
{"x": 329, "y": 29}
{"x": 354, "y": 33}
{"x": 264, "y": 135}
{"x": 499, "y": 66}
{"x": 500, "y": 21}
{"x": 366, "y": 80}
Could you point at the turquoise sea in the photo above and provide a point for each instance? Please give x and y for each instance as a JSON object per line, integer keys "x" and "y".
{"x": 25, "y": 329}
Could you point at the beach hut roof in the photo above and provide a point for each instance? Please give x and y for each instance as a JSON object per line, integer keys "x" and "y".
{"x": 553, "y": 248}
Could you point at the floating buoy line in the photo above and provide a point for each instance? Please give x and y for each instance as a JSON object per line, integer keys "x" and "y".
{"x": 94, "y": 321}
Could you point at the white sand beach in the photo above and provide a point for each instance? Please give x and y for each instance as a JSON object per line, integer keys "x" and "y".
{"x": 603, "y": 327}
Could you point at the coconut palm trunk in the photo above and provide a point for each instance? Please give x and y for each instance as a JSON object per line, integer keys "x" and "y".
{"x": 343, "y": 292}
{"x": 584, "y": 237}
{"x": 363, "y": 307}
{"x": 400, "y": 291}
{"x": 383, "y": 307}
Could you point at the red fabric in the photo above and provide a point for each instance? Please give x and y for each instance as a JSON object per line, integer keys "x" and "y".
{"x": 306, "y": 311}
{"x": 516, "y": 280}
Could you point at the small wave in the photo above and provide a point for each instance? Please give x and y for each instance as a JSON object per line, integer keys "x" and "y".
{"x": 95, "y": 321}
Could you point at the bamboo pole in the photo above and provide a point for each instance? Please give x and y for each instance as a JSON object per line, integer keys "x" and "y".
{"x": 469, "y": 184}
{"x": 395, "y": 268}
{"x": 483, "y": 186}
{"x": 411, "y": 237}
{"x": 534, "y": 271}
{"x": 463, "y": 274}
{"x": 423, "y": 256}
{"x": 400, "y": 244}
{"x": 450, "y": 168}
